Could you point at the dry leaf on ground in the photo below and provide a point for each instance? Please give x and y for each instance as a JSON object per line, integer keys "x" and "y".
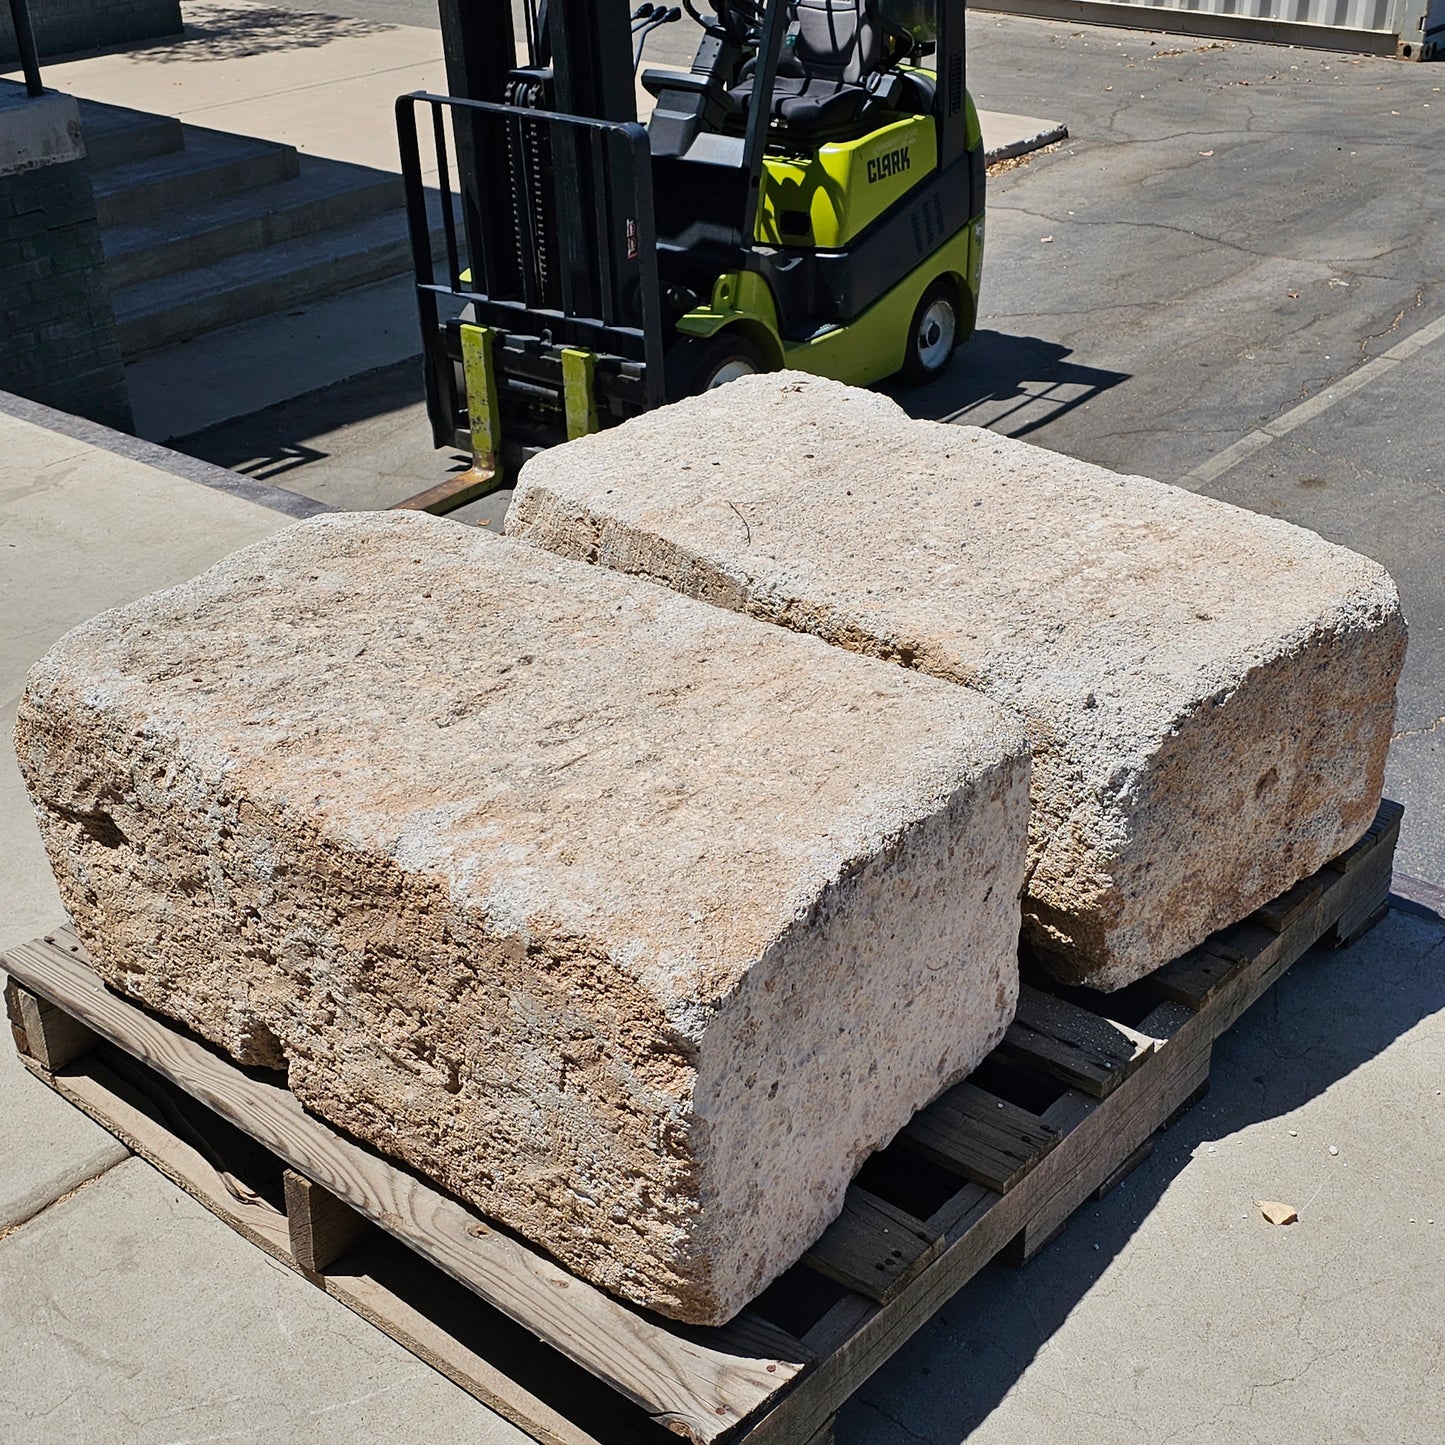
{"x": 1276, "y": 1212}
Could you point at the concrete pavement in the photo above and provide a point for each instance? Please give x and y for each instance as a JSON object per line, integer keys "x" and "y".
{"x": 1171, "y": 1311}
{"x": 244, "y": 369}
{"x": 323, "y": 83}
{"x": 130, "y": 1313}
{"x": 82, "y": 528}
{"x": 134, "y": 1317}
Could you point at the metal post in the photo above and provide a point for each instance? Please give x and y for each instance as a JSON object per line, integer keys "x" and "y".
{"x": 25, "y": 44}
{"x": 440, "y": 409}
{"x": 950, "y": 106}
{"x": 760, "y": 112}
{"x": 480, "y": 47}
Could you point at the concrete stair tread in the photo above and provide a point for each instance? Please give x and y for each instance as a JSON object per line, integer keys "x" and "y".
{"x": 322, "y": 195}
{"x": 212, "y": 163}
{"x": 203, "y": 299}
{"x": 202, "y": 150}
{"x": 115, "y": 136}
{"x": 316, "y": 180}
{"x": 165, "y": 291}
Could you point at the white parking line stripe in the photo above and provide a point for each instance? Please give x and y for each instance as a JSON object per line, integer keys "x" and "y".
{"x": 1306, "y": 411}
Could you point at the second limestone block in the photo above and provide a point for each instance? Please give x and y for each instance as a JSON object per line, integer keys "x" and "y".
{"x": 1209, "y": 693}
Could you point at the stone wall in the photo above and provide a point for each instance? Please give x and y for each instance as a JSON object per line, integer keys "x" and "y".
{"x": 65, "y": 26}
{"x": 60, "y": 346}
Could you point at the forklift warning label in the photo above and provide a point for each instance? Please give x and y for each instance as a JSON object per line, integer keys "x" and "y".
{"x": 890, "y": 163}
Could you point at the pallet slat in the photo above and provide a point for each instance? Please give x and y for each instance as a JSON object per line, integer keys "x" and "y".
{"x": 873, "y": 1247}
{"x": 1085, "y": 1051}
{"x": 1193, "y": 978}
{"x": 1385, "y": 828}
{"x": 984, "y": 1138}
{"x": 698, "y": 1389}
{"x": 47, "y": 1034}
{"x": 321, "y": 1228}
{"x": 1278, "y": 914}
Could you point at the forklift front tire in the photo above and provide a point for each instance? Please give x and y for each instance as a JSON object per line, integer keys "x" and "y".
{"x": 932, "y": 334}
{"x": 697, "y": 364}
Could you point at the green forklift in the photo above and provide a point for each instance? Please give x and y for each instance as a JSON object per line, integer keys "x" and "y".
{"x": 809, "y": 194}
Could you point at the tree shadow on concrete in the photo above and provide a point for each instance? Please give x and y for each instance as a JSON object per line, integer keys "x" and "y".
{"x": 234, "y": 32}
{"x": 1011, "y": 384}
{"x": 1330, "y": 1014}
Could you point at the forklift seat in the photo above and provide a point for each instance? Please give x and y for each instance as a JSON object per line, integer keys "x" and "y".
{"x": 831, "y": 69}
{"x": 837, "y": 40}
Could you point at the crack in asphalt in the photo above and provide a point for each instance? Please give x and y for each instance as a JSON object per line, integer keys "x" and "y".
{"x": 1418, "y": 732}
{"x": 1394, "y": 326}
{"x": 1151, "y": 226}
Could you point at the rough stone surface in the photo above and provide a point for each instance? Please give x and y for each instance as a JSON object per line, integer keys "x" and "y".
{"x": 635, "y": 923}
{"x": 1209, "y": 693}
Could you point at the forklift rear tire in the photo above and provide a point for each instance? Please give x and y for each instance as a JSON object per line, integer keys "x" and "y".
{"x": 932, "y": 334}
{"x": 696, "y": 365}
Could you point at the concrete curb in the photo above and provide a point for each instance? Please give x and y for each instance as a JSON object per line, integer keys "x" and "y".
{"x": 1417, "y": 897}
{"x": 163, "y": 459}
{"x": 1020, "y": 134}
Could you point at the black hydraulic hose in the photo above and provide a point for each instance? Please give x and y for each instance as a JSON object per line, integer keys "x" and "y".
{"x": 658, "y": 17}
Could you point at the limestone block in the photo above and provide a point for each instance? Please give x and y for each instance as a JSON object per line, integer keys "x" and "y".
{"x": 1209, "y": 693}
{"x": 635, "y": 923}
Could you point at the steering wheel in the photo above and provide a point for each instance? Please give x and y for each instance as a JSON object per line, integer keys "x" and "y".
{"x": 738, "y": 20}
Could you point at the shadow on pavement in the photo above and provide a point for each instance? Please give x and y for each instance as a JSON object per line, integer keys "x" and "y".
{"x": 373, "y": 422}
{"x": 1011, "y": 384}
{"x": 230, "y": 32}
{"x": 1333, "y": 1012}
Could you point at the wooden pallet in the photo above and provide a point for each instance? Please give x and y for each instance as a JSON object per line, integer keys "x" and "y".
{"x": 1058, "y": 1113}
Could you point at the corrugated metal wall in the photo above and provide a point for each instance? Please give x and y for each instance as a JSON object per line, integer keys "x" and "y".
{"x": 1412, "y": 29}
{"x": 1347, "y": 14}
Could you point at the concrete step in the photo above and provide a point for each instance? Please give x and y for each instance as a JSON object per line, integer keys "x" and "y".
{"x": 323, "y": 194}
{"x": 196, "y": 302}
{"x": 115, "y": 136}
{"x": 211, "y": 164}
{"x": 256, "y": 364}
